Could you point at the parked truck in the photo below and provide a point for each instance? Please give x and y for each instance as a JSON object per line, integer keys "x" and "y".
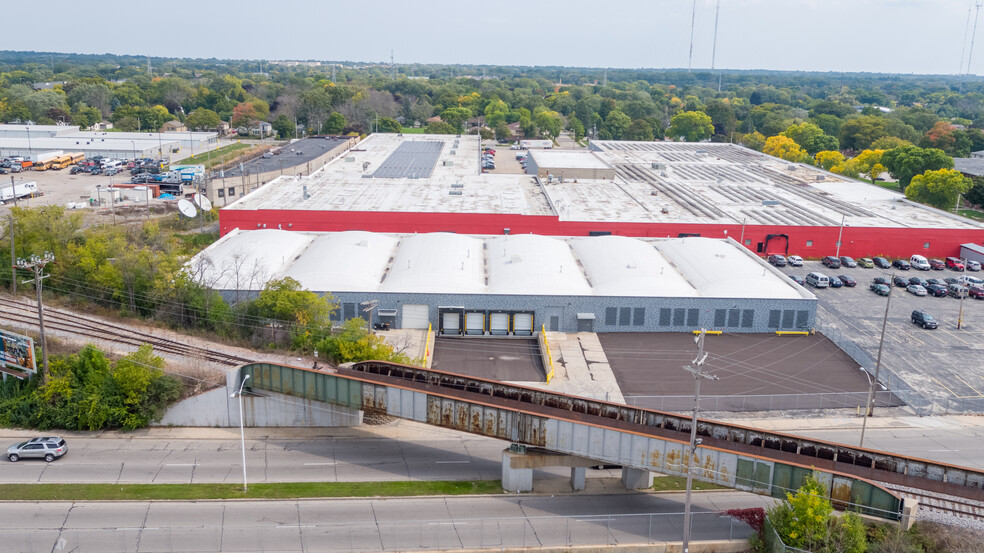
{"x": 542, "y": 144}
{"x": 19, "y": 190}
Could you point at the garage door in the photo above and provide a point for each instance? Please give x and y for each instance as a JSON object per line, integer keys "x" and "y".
{"x": 451, "y": 323}
{"x": 523, "y": 324}
{"x": 499, "y": 323}
{"x": 475, "y": 323}
{"x": 416, "y": 315}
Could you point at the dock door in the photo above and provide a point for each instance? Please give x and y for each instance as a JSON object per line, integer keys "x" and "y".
{"x": 451, "y": 319}
{"x": 475, "y": 323}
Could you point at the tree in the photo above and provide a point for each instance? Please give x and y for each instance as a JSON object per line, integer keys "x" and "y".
{"x": 550, "y": 123}
{"x": 575, "y": 126}
{"x": 286, "y": 301}
{"x": 284, "y": 127}
{"x": 388, "y": 124}
{"x": 906, "y": 162}
{"x": 639, "y": 130}
{"x": 202, "y": 119}
{"x": 335, "y": 124}
{"x": 502, "y": 132}
{"x": 439, "y": 127}
{"x": 691, "y": 126}
{"x": 86, "y": 116}
{"x": 616, "y": 123}
{"x": 802, "y": 521}
{"x": 942, "y": 135}
{"x": 889, "y": 142}
{"x": 828, "y": 159}
{"x": 938, "y": 188}
{"x": 785, "y": 148}
{"x": 975, "y": 195}
{"x": 456, "y": 117}
{"x": 810, "y": 137}
{"x": 754, "y": 140}
{"x": 722, "y": 117}
{"x": 243, "y": 115}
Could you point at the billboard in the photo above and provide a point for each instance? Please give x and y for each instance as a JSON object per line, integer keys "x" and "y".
{"x": 17, "y": 351}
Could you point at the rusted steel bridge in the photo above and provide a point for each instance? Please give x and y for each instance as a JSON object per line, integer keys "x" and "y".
{"x": 740, "y": 457}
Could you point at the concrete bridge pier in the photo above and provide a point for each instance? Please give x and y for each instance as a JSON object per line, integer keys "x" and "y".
{"x": 518, "y": 464}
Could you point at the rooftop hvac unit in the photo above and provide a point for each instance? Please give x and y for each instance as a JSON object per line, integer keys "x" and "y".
{"x": 447, "y": 162}
{"x": 821, "y": 177}
{"x": 349, "y": 160}
{"x": 701, "y": 152}
{"x": 658, "y": 166}
{"x": 454, "y": 192}
{"x": 366, "y": 176}
{"x": 457, "y": 185}
{"x": 453, "y": 152}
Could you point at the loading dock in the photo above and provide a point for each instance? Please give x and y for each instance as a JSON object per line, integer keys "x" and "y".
{"x": 416, "y": 316}
{"x": 503, "y": 359}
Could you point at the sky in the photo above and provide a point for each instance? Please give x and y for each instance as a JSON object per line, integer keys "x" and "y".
{"x": 883, "y": 36}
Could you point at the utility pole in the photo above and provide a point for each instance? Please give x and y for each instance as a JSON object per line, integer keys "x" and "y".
{"x": 717, "y": 12}
{"x": 696, "y": 369}
{"x": 36, "y": 263}
{"x": 840, "y": 235}
{"x": 963, "y": 292}
{"x": 13, "y": 260}
{"x": 881, "y": 343}
{"x": 690, "y": 60}
{"x": 13, "y": 190}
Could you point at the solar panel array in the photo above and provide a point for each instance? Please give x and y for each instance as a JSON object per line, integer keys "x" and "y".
{"x": 413, "y": 160}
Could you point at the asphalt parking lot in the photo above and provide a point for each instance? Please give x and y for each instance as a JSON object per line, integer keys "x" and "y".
{"x": 294, "y": 155}
{"x": 755, "y": 372}
{"x": 503, "y": 359}
{"x": 943, "y": 365}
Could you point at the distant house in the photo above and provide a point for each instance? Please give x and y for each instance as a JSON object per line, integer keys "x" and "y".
{"x": 970, "y": 166}
{"x": 434, "y": 119}
{"x": 977, "y": 154}
{"x": 47, "y": 85}
{"x": 259, "y": 128}
{"x": 102, "y": 126}
{"x": 224, "y": 128}
{"x": 174, "y": 126}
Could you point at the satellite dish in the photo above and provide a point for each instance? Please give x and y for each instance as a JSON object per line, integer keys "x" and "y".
{"x": 202, "y": 202}
{"x": 187, "y": 208}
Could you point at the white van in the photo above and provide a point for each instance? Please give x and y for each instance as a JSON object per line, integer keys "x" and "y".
{"x": 111, "y": 164}
{"x": 818, "y": 280}
{"x": 919, "y": 262}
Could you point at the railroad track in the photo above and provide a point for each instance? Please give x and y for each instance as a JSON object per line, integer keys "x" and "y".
{"x": 942, "y": 504}
{"x": 54, "y": 319}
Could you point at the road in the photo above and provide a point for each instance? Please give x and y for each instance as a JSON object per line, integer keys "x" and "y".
{"x": 369, "y": 524}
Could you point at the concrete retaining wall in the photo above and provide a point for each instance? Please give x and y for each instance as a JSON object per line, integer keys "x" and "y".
{"x": 216, "y": 409}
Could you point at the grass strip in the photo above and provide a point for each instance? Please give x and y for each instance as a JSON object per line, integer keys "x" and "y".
{"x": 216, "y": 156}
{"x": 286, "y": 490}
{"x": 679, "y": 484}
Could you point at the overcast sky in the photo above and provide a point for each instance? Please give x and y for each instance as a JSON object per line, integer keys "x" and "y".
{"x": 887, "y": 36}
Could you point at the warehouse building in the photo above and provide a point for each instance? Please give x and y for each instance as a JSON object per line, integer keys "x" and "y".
{"x": 390, "y": 183}
{"x": 514, "y": 284}
{"x": 27, "y": 140}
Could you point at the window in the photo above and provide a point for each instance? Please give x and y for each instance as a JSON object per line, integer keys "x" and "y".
{"x": 679, "y": 316}
{"x": 348, "y": 311}
{"x": 692, "y": 315}
{"x": 809, "y": 243}
{"x": 925, "y": 245}
{"x": 801, "y": 318}
{"x": 774, "y": 315}
{"x": 611, "y": 314}
{"x": 638, "y": 316}
{"x": 733, "y": 317}
{"x": 221, "y": 193}
{"x": 232, "y": 191}
{"x": 719, "y": 317}
{"x": 787, "y": 318}
{"x": 748, "y": 318}
{"x": 624, "y": 316}
{"x": 664, "y": 316}
{"x": 748, "y": 241}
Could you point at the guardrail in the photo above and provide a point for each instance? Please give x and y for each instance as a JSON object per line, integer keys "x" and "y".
{"x": 766, "y": 402}
{"x": 548, "y": 364}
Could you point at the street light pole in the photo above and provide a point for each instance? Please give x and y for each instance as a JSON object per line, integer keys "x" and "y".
{"x": 881, "y": 343}
{"x": 964, "y": 290}
{"x": 36, "y": 263}
{"x": 13, "y": 260}
{"x": 840, "y": 234}
{"x": 242, "y": 432}
{"x": 864, "y": 421}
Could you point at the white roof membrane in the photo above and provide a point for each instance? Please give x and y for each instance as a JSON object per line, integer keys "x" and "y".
{"x": 343, "y": 261}
{"x": 532, "y": 264}
{"x": 437, "y": 263}
{"x": 622, "y": 266}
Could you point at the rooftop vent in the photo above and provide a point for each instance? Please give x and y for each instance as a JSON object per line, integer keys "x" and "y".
{"x": 454, "y": 192}
{"x": 457, "y": 185}
{"x": 454, "y": 152}
{"x": 349, "y": 159}
{"x": 447, "y": 162}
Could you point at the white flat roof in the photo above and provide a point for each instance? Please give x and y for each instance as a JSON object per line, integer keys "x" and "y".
{"x": 568, "y": 159}
{"x": 655, "y": 182}
{"x": 524, "y": 264}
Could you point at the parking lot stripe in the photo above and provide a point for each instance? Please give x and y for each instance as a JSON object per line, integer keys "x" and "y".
{"x": 976, "y": 391}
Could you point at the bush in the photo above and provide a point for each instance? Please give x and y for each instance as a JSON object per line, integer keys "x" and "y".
{"x": 86, "y": 392}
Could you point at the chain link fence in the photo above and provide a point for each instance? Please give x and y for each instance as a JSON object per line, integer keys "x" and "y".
{"x": 766, "y": 402}
{"x": 774, "y": 544}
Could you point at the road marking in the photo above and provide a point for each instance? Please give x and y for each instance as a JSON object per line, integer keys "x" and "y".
{"x": 317, "y": 464}
{"x": 181, "y": 465}
{"x": 286, "y": 526}
{"x": 976, "y": 391}
{"x": 137, "y": 529}
{"x": 592, "y": 519}
{"x": 450, "y": 462}
{"x": 444, "y": 523}
{"x": 945, "y": 450}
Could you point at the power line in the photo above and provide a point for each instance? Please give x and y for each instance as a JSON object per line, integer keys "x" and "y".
{"x": 693, "y": 18}
{"x": 973, "y": 36}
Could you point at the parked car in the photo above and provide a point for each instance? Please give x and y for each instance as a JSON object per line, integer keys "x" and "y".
{"x": 881, "y": 262}
{"x": 835, "y": 282}
{"x": 954, "y": 263}
{"x": 848, "y": 281}
{"x": 915, "y": 289}
{"x": 831, "y": 262}
{"x": 936, "y": 264}
{"x": 777, "y": 260}
{"x": 880, "y": 289}
{"x": 951, "y": 280}
{"x": 921, "y": 282}
{"x": 48, "y": 448}
{"x": 794, "y": 261}
{"x": 936, "y": 290}
{"x": 923, "y": 319}
{"x": 899, "y": 281}
{"x": 866, "y": 263}
{"x": 972, "y": 265}
{"x": 848, "y": 262}
{"x": 968, "y": 280}
{"x": 882, "y": 280}
{"x": 919, "y": 263}
{"x": 976, "y": 292}
{"x": 901, "y": 264}
{"x": 798, "y": 280}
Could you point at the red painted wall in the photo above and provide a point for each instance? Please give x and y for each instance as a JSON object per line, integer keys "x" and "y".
{"x": 809, "y": 242}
